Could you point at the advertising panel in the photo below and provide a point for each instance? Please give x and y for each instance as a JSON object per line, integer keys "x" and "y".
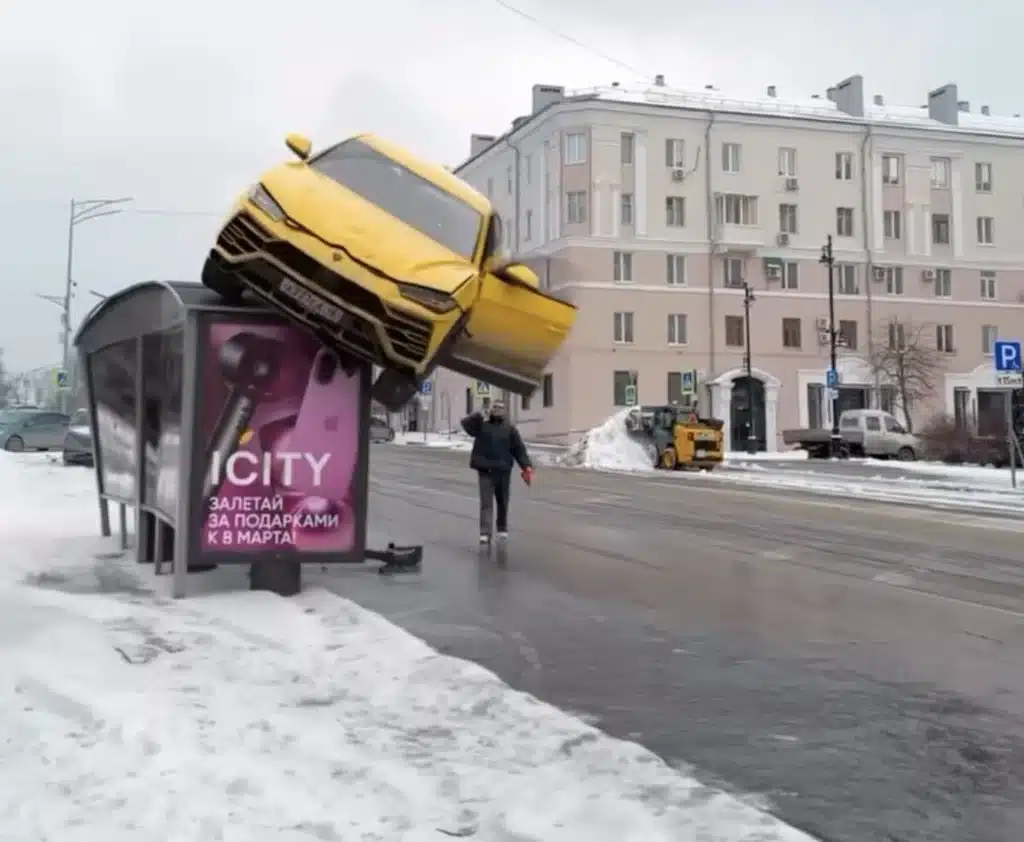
{"x": 112, "y": 371}
{"x": 278, "y": 421}
{"x": 162, "y": 359}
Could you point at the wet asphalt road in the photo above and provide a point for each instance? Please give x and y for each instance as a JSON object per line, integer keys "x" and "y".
{"x": 860, "y": 666}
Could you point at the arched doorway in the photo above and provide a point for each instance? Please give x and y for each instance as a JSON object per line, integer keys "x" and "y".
{"x": 747, "y": 405}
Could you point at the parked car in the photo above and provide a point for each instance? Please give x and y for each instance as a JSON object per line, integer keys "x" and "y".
{"x": 381, "y": 430}
{"x": 78, "y": 444}
{"x": 32, "y": 429}
{"x": 863, "y": 432}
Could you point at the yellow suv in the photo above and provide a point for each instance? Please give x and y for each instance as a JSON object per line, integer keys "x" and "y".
{"x": 391, "y": 260}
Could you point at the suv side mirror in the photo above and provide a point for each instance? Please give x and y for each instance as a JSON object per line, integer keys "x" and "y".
{"x": 299, "y": 145}
{"x": 516, "y": 274}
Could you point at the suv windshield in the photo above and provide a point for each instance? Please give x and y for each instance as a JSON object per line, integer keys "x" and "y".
{"x": 403, "y": 194}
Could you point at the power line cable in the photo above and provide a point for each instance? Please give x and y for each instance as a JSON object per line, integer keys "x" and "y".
{"x": 570, "y": 39}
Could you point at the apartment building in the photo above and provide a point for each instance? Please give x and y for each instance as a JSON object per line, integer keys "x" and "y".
{"x": 652, "y": 210}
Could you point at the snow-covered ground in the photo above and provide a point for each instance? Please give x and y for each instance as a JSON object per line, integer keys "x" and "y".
{"x": 243, "y": 717}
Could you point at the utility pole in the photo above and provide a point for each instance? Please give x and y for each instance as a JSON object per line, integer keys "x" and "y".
{"x": 828, "y": 258}
{"x": 80, "y": 211}
{"x": 748, "y": 365}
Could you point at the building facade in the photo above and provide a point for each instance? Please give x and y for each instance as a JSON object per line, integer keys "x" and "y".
{"x": 653, "y": 210}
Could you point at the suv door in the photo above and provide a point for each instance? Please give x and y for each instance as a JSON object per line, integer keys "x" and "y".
{"x": 47, "y": 430}
{"x": 894, "y": 433}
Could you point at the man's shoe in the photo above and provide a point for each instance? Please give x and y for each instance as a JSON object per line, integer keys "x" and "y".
{"x": 503, "y": 536}
{"x": 485, "y": 538}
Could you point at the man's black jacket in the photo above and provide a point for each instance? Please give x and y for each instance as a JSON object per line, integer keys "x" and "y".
{"x": 496, "y": 444}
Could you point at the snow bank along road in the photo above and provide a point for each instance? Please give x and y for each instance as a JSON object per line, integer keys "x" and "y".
{"x": 859, "y": 666}
{"x": 240, "y": 717}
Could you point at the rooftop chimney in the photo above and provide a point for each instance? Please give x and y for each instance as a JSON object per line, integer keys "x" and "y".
{"x": 479, "y": 142}
{"x": 879, "y": 100}
{"x": 986, "y": 111}
{"x": 943, "y": 106}
{"x": 830, "y": 94}
{"x": 545, "y": 95}
{"x": 850, "y": 96}
{"x": 659, "y": 80}
{"x": 772, "y": 91}
{"x": 964, "y": 106}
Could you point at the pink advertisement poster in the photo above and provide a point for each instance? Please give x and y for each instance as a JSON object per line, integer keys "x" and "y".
{"x": 279, "y": 423}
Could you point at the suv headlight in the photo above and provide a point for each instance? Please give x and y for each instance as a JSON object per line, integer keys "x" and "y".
{"x": 259, "y": 196}
{"x": 438, "y": 302}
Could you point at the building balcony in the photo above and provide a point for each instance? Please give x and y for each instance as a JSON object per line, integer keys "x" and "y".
{"x": 740, "y": 238}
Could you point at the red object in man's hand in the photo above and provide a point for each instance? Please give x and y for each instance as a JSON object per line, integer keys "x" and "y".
{"x": 528, "y": 475}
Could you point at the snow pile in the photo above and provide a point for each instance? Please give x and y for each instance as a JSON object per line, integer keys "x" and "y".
{"x": 772, "y": 456}
{"x": 609, "y": 447}
{"x": 454, "y": 441}
{"x": 130, "y": 717}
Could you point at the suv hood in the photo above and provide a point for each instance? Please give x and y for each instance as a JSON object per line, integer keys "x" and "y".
{"x": 368, "y": 234}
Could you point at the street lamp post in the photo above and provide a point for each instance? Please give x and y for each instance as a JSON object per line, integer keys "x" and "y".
{"x": 81, "y": 210}
{"x": 748, "y": 364}
{"x": 829, "y": 260}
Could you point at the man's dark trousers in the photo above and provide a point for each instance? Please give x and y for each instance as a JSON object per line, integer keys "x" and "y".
{"x": 494, "y": 488}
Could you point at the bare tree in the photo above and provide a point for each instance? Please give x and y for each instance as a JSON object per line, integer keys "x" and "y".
{"x": 905, "y": 356}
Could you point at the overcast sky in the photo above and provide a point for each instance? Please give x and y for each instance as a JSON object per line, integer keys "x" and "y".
{"x": 180, "y": 105}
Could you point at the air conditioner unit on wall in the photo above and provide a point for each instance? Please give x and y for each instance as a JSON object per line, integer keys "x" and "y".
{"x": 792, "y": 184}
{"x": 822, "y": 323}
{"x": 928, "y": 275}
{"x": 823, "y": 337}
{"x": 678, "y": 173}
{"x": 880, "y": 274}
{"x": 773, "y": 272}
{"x": 782, "y": 239}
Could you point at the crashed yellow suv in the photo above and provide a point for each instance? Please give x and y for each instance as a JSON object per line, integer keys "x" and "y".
{"x": 392, "y": 260}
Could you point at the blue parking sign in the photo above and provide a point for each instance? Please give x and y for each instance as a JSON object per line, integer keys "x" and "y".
{"x": 1006, "y": 354}
{"x": 426, "y": 387}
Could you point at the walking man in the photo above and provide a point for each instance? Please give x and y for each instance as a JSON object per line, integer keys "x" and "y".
{"x": 497, "y": 445}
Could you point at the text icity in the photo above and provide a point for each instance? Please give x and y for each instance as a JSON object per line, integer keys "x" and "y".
{"x": 244, "y": 468}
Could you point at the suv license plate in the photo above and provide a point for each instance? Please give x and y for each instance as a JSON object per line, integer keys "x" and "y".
{"x": 334, "y": 315}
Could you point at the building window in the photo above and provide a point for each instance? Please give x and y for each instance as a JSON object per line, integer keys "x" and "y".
{"x": 675, "y": 387}
{"x": 524, "y": 402}
{"x": 787, "y": 219}
{"x": 508, "y": 180}
{"x": 944, "y": 339}
{"x": 892, "y": 224}
{"x": 628, "y": 147}
{"x": 575, "y": 148}
{"x": 626, "y": 208}
{"x": 897, "y": 337}
{"x": 894, "y": 280}
{"x": 621, "y": 383}
{"x": 791, "y": 333}
{"x": 675, "y": 151}
{"x": 731, "y": 157}
{"x": 622, "y": 267}
{"x": 940, "y": 229}
{"x": 508, "y": 235}
{"x": 844, "y": 222}
{"x": 848, "y": 334}
{"x": 943, "y": 283}
{"x": 733, "y": 272}
{"x": 986, "y": 230}
{"x": 528, "y": 169}
{"x": 528, "y": 226}
{"x": 676, "y": 329}
{"x": 576, "y": 207}
{"x": 844, "y": 166}
{"x": 624, "y": 328}
{"x": 733, "y": 209}
{"x": 891, "y": 169}
{"x": 845, "y": 275}
{"x": 490, "y": 188}
{"x": 787, "y": 161}
{"x": 790, "y": 275}
{"x": 548, "y": 391}
{"x": 988, "y": 285}
{"x": 989, "y": 334}
{"x": 983, "y": 178}
{"x": 675, "y": 211}
{"x": 675, "y": 269}
{"x": 734, "y": 331}
{"x": 940, "y": 173}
